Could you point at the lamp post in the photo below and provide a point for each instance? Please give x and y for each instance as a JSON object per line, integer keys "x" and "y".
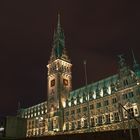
{"x": 88, "y": 109}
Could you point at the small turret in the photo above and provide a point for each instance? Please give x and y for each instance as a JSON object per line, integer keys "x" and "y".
{"x": 59, "y": 50}
{"x": 122, "y": 62}
{"x": 124, "y": 73}
{"x": 123, "y": 67}
{"x": 136, "y": 66}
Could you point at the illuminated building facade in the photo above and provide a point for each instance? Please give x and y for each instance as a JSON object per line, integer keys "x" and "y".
{"x": 99, "y": 106}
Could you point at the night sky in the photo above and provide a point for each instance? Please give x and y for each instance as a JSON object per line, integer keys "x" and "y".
{"x": 95, "y": 30}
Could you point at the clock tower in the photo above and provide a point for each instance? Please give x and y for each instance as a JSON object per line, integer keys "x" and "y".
{"x": 59, "y": 79}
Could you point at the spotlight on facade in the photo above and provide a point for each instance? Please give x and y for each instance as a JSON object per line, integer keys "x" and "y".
{"x": 1, "y": 129}
{"x": 138, "y": 83}
{"x": 41, "y": 118}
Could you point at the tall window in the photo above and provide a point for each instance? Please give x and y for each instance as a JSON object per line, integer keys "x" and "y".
{"x": 99, "y": 120}
{"x": 114, "y": 100}
{"x": 79, "y": 125}
{"x": 98, "y": 105}
{"x": 131, "y": 113}
{"x": 116, "y": 116}
{"x": 92, "y": 122}
{"x": 73, "y": 126}
{"x": 136, "y": 111}
{"x": 85, "y": 123}
{"x": 108, "y": 119}
{"x": 106, "y": 103}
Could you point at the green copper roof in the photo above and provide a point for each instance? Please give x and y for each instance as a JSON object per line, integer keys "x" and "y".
{"x": 93, "y": 87}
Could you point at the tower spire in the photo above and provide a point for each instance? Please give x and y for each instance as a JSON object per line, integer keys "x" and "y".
{"x": 136, "y": 66}
{"x": 59, "y": 50}
{"x": 58, "y": 23}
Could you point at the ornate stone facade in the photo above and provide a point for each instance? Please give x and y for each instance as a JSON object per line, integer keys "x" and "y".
{"x": 109, "y": 104}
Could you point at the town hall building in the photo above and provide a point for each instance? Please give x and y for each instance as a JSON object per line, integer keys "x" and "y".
{"x": 110, "y": 104}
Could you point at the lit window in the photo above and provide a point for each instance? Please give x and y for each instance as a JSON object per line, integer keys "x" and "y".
{"x": 94, "y": 95}
{"x": 42, "y": 107}
{"x": 109, "y": 90}
{"x": 107, "y": 118}
{"x": 69, "y": 103}
{"x": 81, "y": 100}
{"x": 131, "y": 112}
{"x": 98, "y": 105}
{"x": 136, "y": 112}
{"x": 116, "y": 116}
{"x": 106, "y": 103}
{"x": 75, "y": 102}
{"x": 92, "y": 106}
{"x": 96, "y": 120}
{"x": 101, "y": 93}
{"x": 64, "y": 104}
{"x": 100, "y": 120}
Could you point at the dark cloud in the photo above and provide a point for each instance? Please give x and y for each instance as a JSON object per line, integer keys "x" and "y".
{"x": 95, "y": 30}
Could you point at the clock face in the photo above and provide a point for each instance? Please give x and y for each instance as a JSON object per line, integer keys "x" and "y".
{"x": 52, "y": 82}
{"x": 65, "y": 82}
